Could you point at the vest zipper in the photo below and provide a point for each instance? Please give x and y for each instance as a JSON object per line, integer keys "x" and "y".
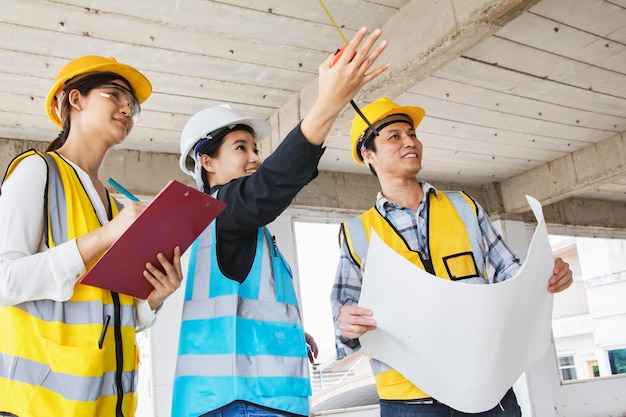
{"x": 119, "y": 353}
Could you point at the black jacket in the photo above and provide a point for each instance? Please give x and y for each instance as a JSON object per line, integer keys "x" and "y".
{"x": 256, "y": 200}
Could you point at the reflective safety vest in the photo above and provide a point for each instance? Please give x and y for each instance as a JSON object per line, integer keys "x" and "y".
{"x": 240, "y": 341}
{"x": 455, "y": 247}
{"x": 50, "y": 359}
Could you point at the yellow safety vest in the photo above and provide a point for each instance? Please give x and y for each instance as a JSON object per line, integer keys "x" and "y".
{"x": 50, "y": 359}
{"x": 454, "y": 254}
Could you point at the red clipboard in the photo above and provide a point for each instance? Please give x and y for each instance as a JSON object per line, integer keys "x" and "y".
{"x": 176, "y": 217}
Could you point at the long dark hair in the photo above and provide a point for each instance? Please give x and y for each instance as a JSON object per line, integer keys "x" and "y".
{"x": 84, "y": 85}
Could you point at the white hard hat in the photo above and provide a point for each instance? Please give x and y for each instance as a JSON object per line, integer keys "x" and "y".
{"x": 209, "y": 120}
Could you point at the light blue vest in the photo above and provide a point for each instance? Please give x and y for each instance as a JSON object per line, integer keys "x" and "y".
{"x": 240, "y": 341}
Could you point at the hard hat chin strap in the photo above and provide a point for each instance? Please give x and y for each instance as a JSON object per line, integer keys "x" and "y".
{"x": 197, "y": 173}
{"x": 367, "y": 122}
{"x": 370, "y": 130}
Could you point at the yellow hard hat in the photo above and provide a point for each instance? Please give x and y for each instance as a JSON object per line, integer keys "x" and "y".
{"x": 374, "y": 112}
{"x": 92, "y": 63}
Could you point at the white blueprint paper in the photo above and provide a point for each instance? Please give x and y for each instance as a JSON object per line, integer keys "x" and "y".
{"x": 463, "y": 344}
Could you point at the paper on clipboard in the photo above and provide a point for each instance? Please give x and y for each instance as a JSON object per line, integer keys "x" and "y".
{"x": 463, "y": 344}
{"x": 176, "y": 217}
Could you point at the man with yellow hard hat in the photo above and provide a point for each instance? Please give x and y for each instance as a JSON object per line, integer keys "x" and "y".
{"x": 425, "y": 225}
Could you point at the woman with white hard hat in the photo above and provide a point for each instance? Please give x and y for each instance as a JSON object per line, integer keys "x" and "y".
{"x": 69, "y": 349}
{"x": 242, "y": 348}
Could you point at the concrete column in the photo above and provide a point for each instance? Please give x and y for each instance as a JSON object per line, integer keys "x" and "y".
{"x": 164, "y": 343}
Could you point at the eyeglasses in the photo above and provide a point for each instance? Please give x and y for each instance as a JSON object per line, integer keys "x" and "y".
{"x": 122, "y": 97}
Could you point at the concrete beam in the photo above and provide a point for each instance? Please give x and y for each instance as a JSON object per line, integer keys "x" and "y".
{"x": 142, "y": 173}
{"x": 445, "y": 30}
{"x": 145, "y": 173}
{"x": 442, "y": 32}
{"x": 10, "y": 148}
{"x": 586, "y": 217}
{"x": 355, "y": 193}
{"x": 568, "y": 176}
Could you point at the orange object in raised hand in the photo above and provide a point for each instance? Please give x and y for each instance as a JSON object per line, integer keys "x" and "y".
{"x": 338, "y": 55}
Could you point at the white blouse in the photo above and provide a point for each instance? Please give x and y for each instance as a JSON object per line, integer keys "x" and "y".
{"x": 28, "y": 269}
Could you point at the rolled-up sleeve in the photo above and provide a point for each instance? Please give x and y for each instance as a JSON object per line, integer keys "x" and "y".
{"x": 501, "y": 261}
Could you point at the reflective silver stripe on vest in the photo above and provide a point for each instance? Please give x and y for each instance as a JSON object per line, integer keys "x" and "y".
{"x": 358, "y": 238}
{"x": 221, "y": 365}
{"x": 57, "y": 208}
{"x": 200, "y": 285}
{"x": 72, "y": 387}
{"x": 86, "y": 312}
{"x": 247, "y": 309}
{"x": 267, "y": 292}
{"x": 378, "y": 366}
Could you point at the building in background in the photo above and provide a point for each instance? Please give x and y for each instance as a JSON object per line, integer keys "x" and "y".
{"x": 589, "y": 319}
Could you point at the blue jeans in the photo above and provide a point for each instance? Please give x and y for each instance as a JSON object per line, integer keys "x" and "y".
{"x": 244, "y": 409}
{"x": 508, "y": 407}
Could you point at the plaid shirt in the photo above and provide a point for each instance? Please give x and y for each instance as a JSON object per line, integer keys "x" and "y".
{"x": 500, "y": 261}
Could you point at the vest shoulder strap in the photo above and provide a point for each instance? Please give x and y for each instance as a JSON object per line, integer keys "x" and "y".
{"x": 357, "y": 239}
{"x": 467, "y": 209}
{"x": 48, "y": 160}
{"x": 16, "y": 160}
{"x": 462, "y": 201}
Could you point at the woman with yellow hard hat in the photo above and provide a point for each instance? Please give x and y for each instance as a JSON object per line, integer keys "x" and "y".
{"x": 66, "y": 348}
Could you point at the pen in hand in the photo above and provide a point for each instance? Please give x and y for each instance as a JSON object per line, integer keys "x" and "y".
{"x": 107, "y": 319}
{"x": 122, "y": 190}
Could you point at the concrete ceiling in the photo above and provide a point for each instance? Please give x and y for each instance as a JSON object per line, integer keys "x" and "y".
{"x": 522, "y": 96}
